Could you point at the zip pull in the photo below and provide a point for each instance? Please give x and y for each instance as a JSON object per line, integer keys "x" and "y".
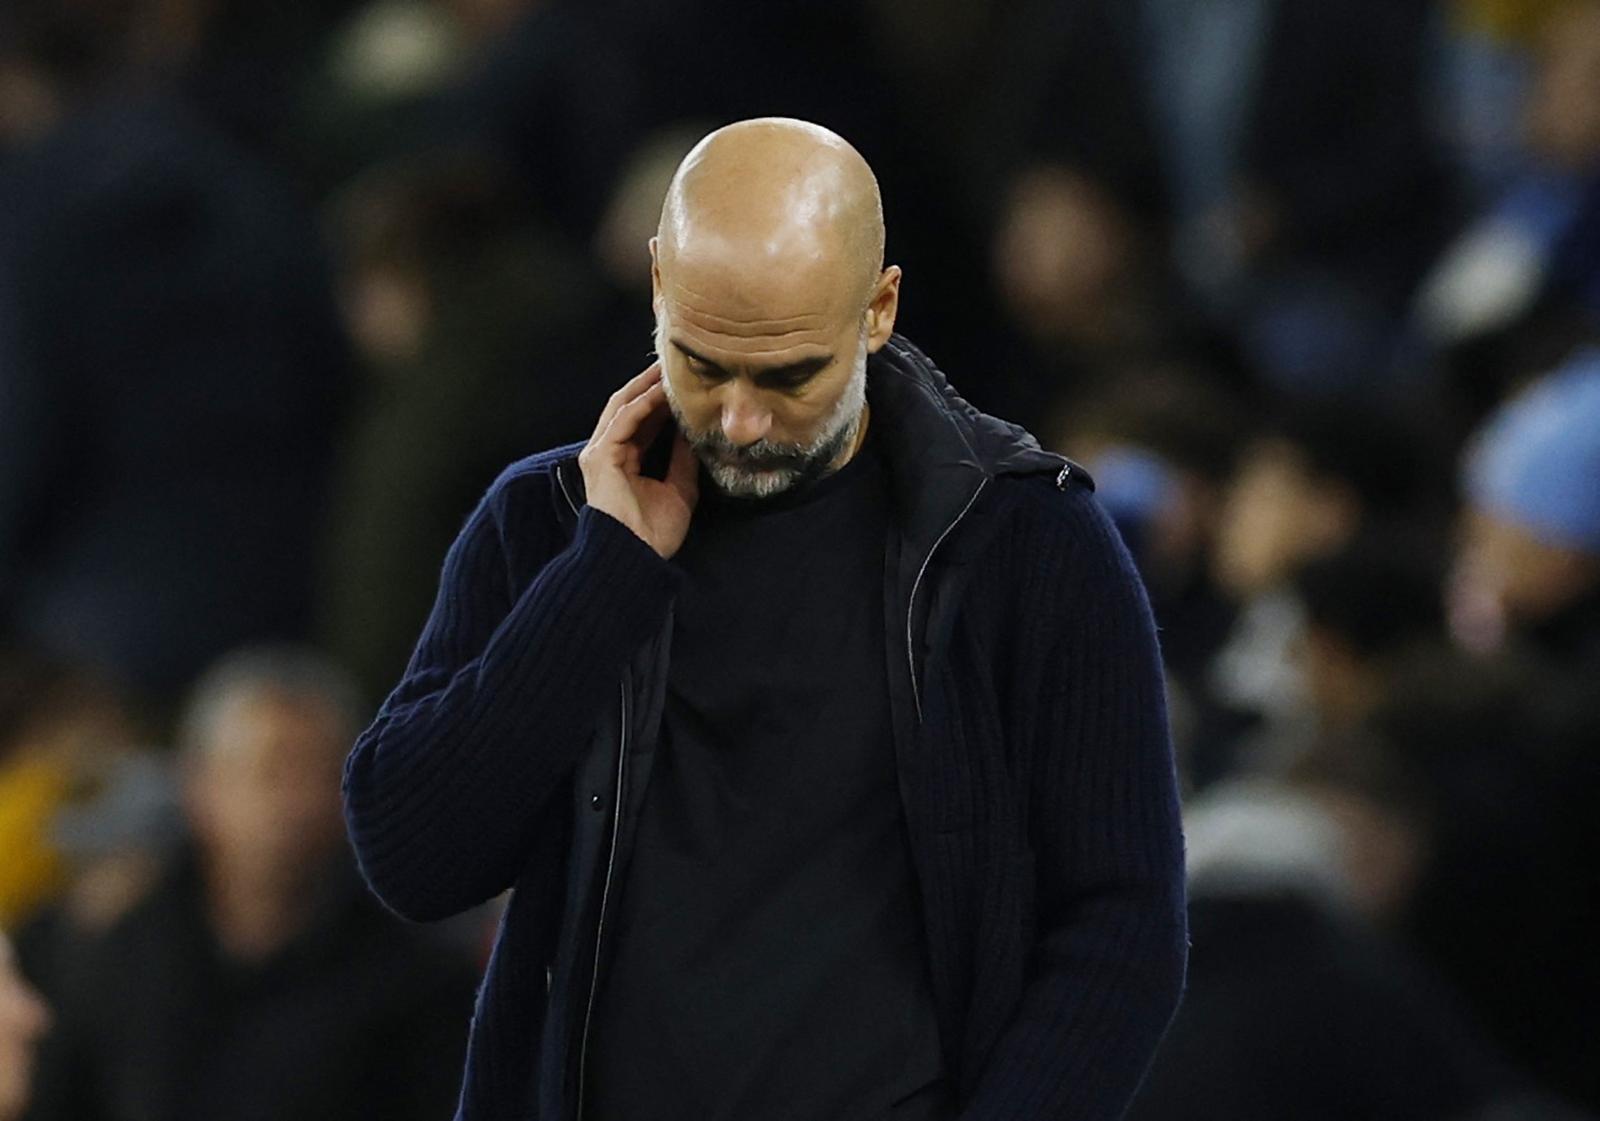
{"x": 1074, "y": 474}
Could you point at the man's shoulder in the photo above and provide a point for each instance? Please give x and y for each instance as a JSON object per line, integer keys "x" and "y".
{"x": 1057, "y": 521}
{"x": 527, "y": 482}
{"x": 1061, "y": 503}
{"x": 534, "y": 468}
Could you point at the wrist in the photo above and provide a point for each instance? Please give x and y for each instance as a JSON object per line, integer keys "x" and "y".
{"x": 610, "y": 531}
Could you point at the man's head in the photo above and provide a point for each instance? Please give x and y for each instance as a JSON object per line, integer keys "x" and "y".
{"x": 769, "y": 293}
{"x": 1309, "y": 482}
{"x": 263, "y": 740}
{"x": 1529, "y": 547}
{"x": 1066, "y": 258}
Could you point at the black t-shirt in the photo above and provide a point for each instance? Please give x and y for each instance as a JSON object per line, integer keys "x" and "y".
{"x": 768, "y": 961}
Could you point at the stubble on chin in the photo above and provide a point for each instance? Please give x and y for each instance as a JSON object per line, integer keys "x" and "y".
{"x": 793, "y": 465}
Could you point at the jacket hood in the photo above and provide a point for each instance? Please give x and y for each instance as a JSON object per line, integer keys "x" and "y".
{"x": 940, "y": 425}
{"x": 941, "y": 449}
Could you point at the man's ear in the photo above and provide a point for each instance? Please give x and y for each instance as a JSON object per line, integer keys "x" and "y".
{"x": 882, "y": 308}
{"x": 655, "y": 274}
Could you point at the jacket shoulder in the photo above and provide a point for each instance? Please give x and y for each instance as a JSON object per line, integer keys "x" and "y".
{"x": 1064, "y": 498}
{"x": 1058, "y": 521}
{"x": 529, "y": 482}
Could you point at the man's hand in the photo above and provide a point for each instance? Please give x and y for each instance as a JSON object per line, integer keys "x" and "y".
{"x": 658, "y": 511}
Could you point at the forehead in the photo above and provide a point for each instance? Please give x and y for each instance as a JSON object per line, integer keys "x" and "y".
{"x": 260, "y": 726}
{"x": 783, "y": 308}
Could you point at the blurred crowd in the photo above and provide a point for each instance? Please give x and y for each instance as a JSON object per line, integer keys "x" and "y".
{"x": 1312, "y": 288}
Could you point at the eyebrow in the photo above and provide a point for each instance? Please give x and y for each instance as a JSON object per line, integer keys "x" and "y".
{"x": 790, "y": 372}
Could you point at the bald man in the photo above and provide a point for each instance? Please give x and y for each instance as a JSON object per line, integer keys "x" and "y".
{"x": 814, "y": 718}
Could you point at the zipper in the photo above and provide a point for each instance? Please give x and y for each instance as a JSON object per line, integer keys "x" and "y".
{"x": 605, "y": 895}
{"x": 911, "y": 659}
{"x": 561, "y": 479}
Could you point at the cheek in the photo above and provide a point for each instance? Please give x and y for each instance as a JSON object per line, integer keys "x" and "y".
{"x": 797, "y": 418}
{"x": 699, "y": 415}
{"x": 686, "y": 397}
{"x": 818, "y": 404}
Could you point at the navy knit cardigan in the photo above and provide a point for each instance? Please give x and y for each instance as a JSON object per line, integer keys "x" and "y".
{"x": 1042, "y": 808}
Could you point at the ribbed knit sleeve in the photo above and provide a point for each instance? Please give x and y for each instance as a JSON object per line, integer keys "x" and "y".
{"x": 1111, "y": 948}
{"x": 444, "y": 792}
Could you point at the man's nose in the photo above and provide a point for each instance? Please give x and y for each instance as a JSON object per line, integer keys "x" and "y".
{"x": 744, "y": 419}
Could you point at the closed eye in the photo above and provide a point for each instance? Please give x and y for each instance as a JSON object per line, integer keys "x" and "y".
{"x": 793, "y": 376}
{"x": 706, "y": 371}
{"x": 783, "y": 378}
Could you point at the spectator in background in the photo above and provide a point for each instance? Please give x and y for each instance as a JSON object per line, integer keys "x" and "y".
{"x": 1305, "y": 488}
{"x": 1298, "y": 1004}
{"x": 172, "y": 373}
{"x": 541, "y": 87}
{"x": 1076, "y": 278}
{"x": 375, "y": 92}
{"x": 1538, "y": 240}
{"x": 1511, "y": 910}
{"x": 558, "y": 96}
{"x": 257, "y": 979}
{"x": 1488, "y": 66}
{"x": 59, "y": 733}
{"x": 1280, "y": 148}
{"x": 24, "y": 1017}
{"x": 84, "y": 813}
{"x": 1505, "y": 906}
{"x": 1307, "y": 483}
{"x": 483, "y": 334}
{"x": 1366, "y": 607}
{"x": 245, "y": 66}
{"x": 1528, "y": 566}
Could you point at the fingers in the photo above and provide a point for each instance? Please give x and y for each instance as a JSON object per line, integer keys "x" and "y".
{"x": 650, "y": 426}
{"x": 630, "y": 418}
{"x": 630, "y": 390}
{"x": 683, "y": 471}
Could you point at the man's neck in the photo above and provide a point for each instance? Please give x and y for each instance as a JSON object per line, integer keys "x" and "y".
{"x": 252, "y": 920}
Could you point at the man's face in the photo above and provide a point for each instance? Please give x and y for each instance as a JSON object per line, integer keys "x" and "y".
{"x": 1278, "y": 514}
{"x": 1505, "y": 576}
{"x": 765, "y": 375}
{"x": 265, "y": 796}
{"x": 765, "y": 466}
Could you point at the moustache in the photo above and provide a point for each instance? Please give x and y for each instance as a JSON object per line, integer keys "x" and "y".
{"x": 759, "y": 456}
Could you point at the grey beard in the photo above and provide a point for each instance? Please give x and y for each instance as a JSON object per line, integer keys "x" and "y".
{"x": 764, "y": 469}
